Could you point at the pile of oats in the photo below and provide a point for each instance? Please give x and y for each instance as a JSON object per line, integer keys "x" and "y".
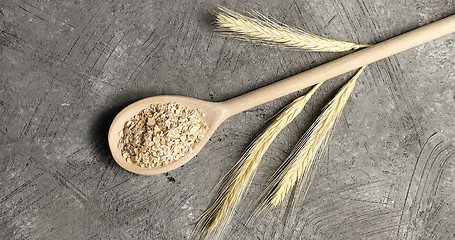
{"x": 161, "y": 134}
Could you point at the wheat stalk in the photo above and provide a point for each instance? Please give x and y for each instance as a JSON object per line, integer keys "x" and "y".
{"x": 220, "y": 212}
{"x": 295, "y": 169}
{"x": 259, "y": 28}
{"x": 263, "y": 30}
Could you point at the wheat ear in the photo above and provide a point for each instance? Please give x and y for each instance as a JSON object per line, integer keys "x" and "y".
{"x": 259, "y": 28}
{"x": 233, "y": 185}
{"x": 298, "y": 164}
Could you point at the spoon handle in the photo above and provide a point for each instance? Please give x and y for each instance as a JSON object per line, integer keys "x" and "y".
{"x": 341, "y": 65}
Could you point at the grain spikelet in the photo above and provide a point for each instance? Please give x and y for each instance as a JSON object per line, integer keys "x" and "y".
{"x": 261, "y": 29}
{"x": 233, "y": 185}
{"x": 297, "y": 166}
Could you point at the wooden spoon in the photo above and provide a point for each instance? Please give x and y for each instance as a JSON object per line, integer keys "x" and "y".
{"x": 217, "y": 112}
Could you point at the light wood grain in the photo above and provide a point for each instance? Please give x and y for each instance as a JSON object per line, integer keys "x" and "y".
{"x": 216, "y": 113}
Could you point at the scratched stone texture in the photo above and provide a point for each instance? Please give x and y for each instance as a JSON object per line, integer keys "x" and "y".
{"x": 68, "y": 67}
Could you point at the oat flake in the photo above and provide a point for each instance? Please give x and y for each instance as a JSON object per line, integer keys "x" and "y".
{"x": 161, "y": 134}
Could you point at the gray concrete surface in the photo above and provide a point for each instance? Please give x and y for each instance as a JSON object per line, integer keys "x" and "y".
{"x": 67, "y": 67}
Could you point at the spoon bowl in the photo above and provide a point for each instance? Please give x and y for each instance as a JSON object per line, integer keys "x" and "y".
{"x": 214, "y": 116}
